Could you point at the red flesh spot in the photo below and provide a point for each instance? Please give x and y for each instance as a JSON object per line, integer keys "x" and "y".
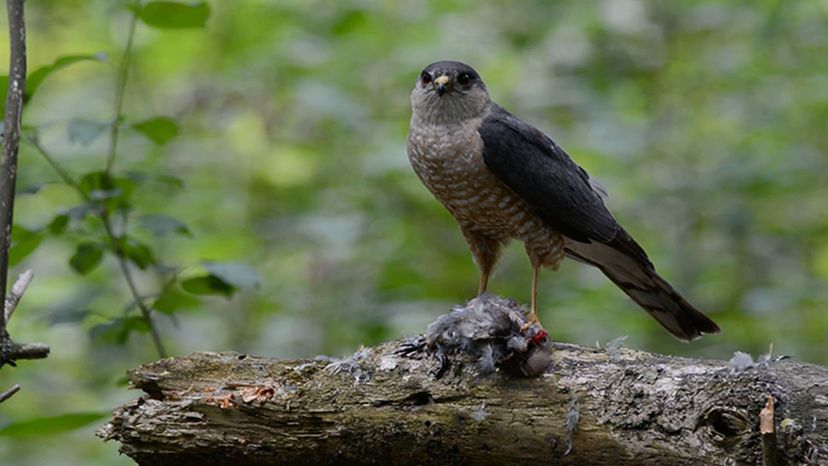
{"x": 539, "y": 337}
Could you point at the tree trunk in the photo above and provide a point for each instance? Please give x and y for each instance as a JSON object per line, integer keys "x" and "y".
{"x": 592, "y": 406}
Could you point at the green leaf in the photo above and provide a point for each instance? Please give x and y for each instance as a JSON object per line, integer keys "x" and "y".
{"x": 139, "y": 253}
{"x": 80, "y": 212}
{"x": 135, "y": 251}
{"x": 175, "y": 15}
{"x": 50, "y": 425}
{"x": 113, "y": 192}
{"x": 23, "y": 242}
{"x": 87, "y": 256}
{"x": 84, "y": 131}
{"x": 68, "y": 316}
{"x": 135, "y": 324}
{"x": 172, "y": 181}
{"x": 173, "y": 300}
{"x": 36, "y": 77}
{"x": 161, "y": 225}
{"x": 96, "y": 181}
{"x": 224, "y": 278}
{"x": 30, "y": 189}
{"x": 137, "y": 176}
{"x": 159, "y": 130}
{"x": 234, "y": 273}
{"x": 165, "y": 181}
{"x": 208, "y": 285}
{"x": 118, "y": 330}
{"x": 58, "y": 224}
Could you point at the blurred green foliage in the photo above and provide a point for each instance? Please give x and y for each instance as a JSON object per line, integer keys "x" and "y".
{"x": 266, "y": 151}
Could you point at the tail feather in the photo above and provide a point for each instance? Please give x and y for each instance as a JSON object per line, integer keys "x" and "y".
{"x": 625, "y": 263}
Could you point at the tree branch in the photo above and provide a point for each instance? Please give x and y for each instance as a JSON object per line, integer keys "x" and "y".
{"x": 11, "y": 351}
{"x": 120, "y": 89}
{"x": 9, "y": 393}
{"x": 16, "y": 293}
{"x": 11, "y": 139}
{"x": 380, "y": 406}
{"x": 19, "y": 351}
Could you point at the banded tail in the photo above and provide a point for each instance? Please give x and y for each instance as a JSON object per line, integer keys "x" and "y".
{"x": 625, "y": 263}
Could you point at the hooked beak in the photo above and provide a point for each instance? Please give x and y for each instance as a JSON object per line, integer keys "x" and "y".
{"x": 440, "y": 84}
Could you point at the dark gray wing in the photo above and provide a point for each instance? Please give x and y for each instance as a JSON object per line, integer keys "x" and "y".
{"x": 543, "y": 175}
{"x": 563, "y": 196}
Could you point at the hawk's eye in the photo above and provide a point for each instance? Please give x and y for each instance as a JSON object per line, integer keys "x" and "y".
{"x": 425, "y": 77}
{"x": 464, "y": 78}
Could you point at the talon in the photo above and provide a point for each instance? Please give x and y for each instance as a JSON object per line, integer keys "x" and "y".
{"x": 411, "y": 347}
{"x": 539, "y": 336}
{"x": 533, "y": 319}
{"x": 444, "y": 364}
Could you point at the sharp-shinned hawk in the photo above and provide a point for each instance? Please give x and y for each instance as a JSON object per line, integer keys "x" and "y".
{"x": 503, "y": 179}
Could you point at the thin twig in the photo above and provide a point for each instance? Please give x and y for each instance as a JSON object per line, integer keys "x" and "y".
{"x": 17, "y": 291}
{"x": 62, "y": 172}
{"x": 120, "y": 87}
{"x": 11, "y": 139}
{"x": 146, "y": 312}
{"x": 10, "y": 392}
{"x": 117, "y": 246}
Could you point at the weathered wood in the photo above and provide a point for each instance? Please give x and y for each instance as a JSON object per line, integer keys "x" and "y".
{"x": 380, "y": 407}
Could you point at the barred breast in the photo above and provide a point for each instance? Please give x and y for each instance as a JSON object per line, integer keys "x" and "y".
{"x": 449, "y": 161}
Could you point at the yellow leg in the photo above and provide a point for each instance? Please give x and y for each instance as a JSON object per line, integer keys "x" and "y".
{"x": 484, "y": 282}
{"x": 485, "y": 251}
{"x": 533, "y": 315}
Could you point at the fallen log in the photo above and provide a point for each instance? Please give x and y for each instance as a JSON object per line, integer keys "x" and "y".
{"x": 384, "y": 405}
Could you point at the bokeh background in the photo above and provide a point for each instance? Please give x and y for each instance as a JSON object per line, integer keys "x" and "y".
{"x": 707, "y": 121}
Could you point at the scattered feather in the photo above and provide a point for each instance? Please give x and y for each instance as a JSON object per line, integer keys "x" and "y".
{"x": 740, "y": 362}
{"x": 480, "y": 413}
{"x": 614, "y": 347}
{"x": 387, "y": 363}
{"x": 352, "y": 366}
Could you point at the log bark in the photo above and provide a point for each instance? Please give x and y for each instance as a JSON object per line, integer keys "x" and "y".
{"x": 593, "y": 406}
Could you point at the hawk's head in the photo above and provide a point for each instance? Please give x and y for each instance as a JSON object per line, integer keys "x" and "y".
{"x": 449, "y": 91}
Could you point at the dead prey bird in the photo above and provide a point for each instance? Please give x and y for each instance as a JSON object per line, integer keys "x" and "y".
{"x": 490, "y": 329}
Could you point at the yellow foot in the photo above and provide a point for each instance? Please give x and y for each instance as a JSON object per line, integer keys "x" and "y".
{"x": 533, "y": 319}
{"x": 537, "y": 337}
